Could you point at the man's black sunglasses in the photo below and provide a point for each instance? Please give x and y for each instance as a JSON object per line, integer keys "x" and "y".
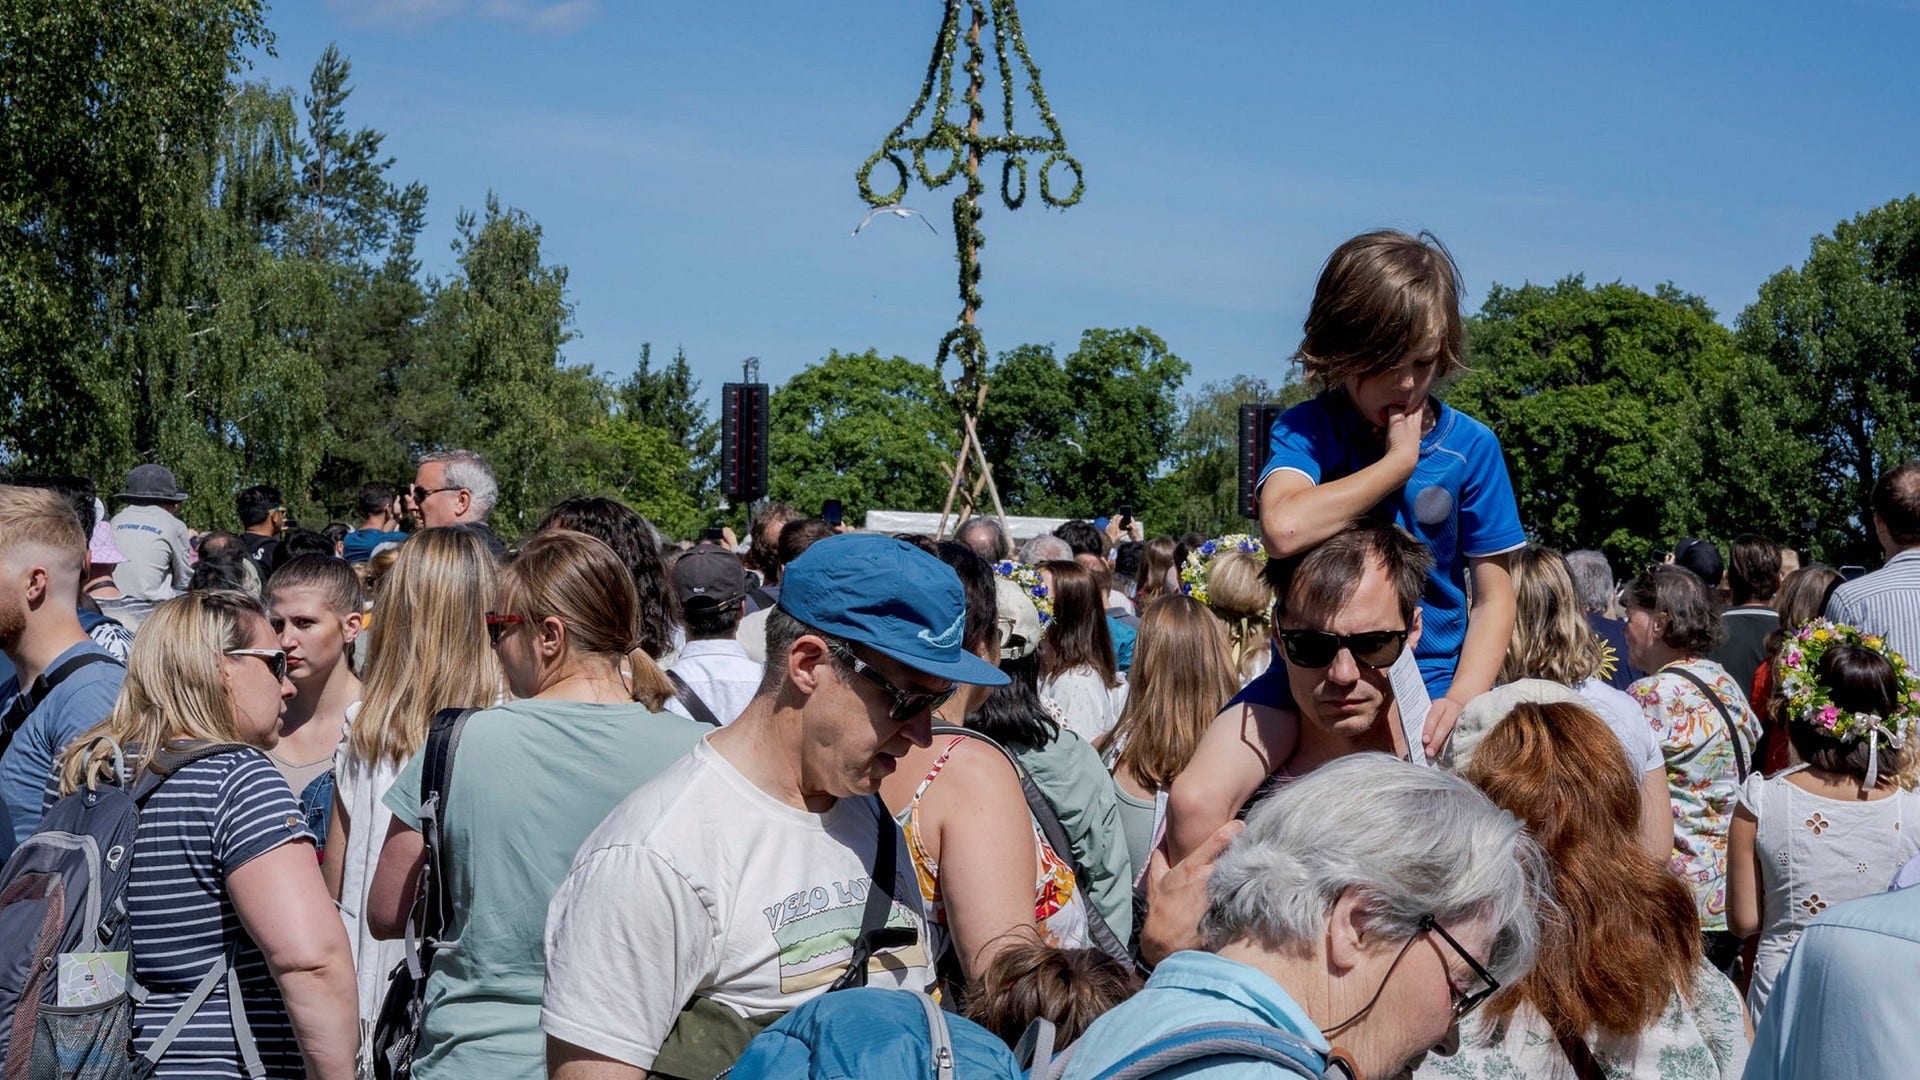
{"x": 1317, "y": 648}
{"x": 907, "y": 704}
{"x": 421, "y": 494}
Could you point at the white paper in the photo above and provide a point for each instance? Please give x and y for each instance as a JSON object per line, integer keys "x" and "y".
{"x": 1410, "y": 693}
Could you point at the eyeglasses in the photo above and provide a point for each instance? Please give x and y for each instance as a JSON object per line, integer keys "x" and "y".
{"x": 1485, "y": 984}
{"x": 420, "y": 494}
{"x": 276, "y": 660}
{"x": 1463, "y": 1002}
{"x": 1317, "y": 648}
{"x": 907, "y": 704}
{"x": 497, "y": 625}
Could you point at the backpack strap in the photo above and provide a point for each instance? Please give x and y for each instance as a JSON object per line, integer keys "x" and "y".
{"x": 1048, "y": 819}
{"x": 1733, "y": 729}
{"x": 1251, "y": 1042}
{"x": 875, "y": 934}
{"x": 171, "y": 758}
{"x": 692, "y": 700}
{"x": 29, "y": 698}
{"x": 432, "y": 906}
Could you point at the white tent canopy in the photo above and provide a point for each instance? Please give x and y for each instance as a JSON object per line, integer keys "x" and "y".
{"x": 909, "y": 521}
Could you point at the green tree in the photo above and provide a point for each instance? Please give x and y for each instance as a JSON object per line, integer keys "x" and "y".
{"x": 1587, "y": 388}
{"x": 1842, "y": 331}
{"x": 1199, "y": 489}
{"x": 1029, "y": 432}
{"x": 667, "y": 399}
{"x": 868, "y": 430}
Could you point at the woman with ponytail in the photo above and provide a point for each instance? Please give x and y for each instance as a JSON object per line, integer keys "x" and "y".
{"x": 1620, "y": 987}
{"x": 531, "y": 778}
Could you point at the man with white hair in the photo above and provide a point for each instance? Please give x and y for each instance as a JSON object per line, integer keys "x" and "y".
{"x": 1046, "y": 548}
{"x": 1362, "y": 913}
{"x": 456, "y": 487}
{"x": 986, "y": 537}
{"x": 1593, "y": 580}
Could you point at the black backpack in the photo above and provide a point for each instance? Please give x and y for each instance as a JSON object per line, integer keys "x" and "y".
{"x": 64, "y": 891}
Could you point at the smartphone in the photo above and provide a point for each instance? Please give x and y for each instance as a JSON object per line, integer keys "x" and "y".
{"x": 714, "y": 533}
{"x": 832, "y": 512}
{"x": 1126, "y": 517}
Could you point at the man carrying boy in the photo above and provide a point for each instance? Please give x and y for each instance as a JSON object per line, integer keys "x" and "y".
{"x": 1384, "y": 328}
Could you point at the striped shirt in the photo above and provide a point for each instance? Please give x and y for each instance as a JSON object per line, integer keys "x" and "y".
{"x": 1885, "y": 602}
{"x": 206, "y": 821}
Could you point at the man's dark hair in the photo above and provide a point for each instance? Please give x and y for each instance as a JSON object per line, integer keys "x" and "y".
{"x": 375, "y": 498}
{"x": 1322, "y": 578}
{"x": 632, "y": 538}
{"x": 336, "y": 531}
{"x": 1127, "y": 558}
{"x": 763, "y": 550}
{"x": 983, "y": 602}
{"x": 797, "y": 536}
{"x": 1753, "y": 572}
{"x": 710, "y": 620}
{"x": 226, "y": 569}
{"x": 782, "y": 631}
{"x": 1693, "y": 627}
{"x": 257, "y": 502}
{"x": 217, "y": 544}
{"x": 987, "y": 539}
{"x": 1700, "y": 558}
{"x": 1896, "y": 502}
{"x": 1083, "y": 538}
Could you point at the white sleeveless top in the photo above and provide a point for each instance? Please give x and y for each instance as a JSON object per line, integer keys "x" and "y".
{"x": 360, "y": 786}
{"x": 1815, "y": 852}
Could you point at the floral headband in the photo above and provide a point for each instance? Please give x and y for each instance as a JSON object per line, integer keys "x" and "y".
{"x": 1193, "y": 573}
{"x": 1028, "y": 578}
{"x": 1808, "y": 702}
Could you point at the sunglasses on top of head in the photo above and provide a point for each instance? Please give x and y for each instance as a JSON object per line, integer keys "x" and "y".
{"x": 1318, "y": 649}
{"x": 907, "y": 704}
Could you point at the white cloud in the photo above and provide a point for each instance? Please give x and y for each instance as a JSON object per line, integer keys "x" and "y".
{"x": 545, "y": 16}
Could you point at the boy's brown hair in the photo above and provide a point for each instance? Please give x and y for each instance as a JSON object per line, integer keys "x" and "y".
{"x": 1384, "y": 298}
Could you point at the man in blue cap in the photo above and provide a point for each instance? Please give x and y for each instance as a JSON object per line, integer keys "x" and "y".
{"x": 735, "y": 886}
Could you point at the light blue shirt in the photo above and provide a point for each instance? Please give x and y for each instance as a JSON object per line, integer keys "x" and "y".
{"x": 1193, "y": 988}
{"x": 1843, "y": 1005}
{"x": 80, "y": 701}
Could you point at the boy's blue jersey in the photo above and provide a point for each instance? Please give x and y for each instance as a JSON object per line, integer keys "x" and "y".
{"x": 1459, "y": 502}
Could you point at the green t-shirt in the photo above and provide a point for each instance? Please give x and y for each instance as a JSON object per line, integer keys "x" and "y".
{"x": 530, "y": 780}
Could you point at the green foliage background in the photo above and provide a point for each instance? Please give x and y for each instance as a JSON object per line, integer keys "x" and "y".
{"x": 221, "y": 275}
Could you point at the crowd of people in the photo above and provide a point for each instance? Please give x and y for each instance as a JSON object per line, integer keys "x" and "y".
{"x": 1394, "y": 789}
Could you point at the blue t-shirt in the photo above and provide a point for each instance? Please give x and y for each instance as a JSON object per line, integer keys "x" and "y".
{"x": 1837, "y": 1008}
{"x": 81, "y": 700}
{"x": 357, "y": 546}
{"x": 1459, "y": 502}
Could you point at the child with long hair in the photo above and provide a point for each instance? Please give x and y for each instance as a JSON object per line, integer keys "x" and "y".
{"x": 1833, "y": 828}
{"x": 1182, "y": 675}
{"x": 1620, "y": 987}
{"x": 1078, "y": 670}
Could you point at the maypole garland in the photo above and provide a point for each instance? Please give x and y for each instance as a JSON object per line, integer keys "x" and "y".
{"x": 965, "y": 143}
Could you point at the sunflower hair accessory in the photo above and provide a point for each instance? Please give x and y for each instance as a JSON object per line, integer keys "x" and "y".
{"x": 1193, "y": 573}
{"x": 1809, "y": 702}
{"x": 1028, "y": 578}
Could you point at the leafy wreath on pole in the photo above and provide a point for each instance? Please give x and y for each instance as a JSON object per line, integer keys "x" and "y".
{"x": 967, "y": 146}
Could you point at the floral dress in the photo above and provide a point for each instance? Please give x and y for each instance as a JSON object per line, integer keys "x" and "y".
{"x": 1058, "y": 908}
{"x": 1702, "y": 774}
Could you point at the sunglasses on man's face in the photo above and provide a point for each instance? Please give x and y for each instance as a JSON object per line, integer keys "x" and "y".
{"x": 1317, "y": 648}
{"x": 275, "y": 659}
{"x": 420, "y": 494}
{"x": 907, "y": 704}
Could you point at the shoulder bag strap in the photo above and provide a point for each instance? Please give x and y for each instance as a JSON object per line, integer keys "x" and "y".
{"x": 874, "y": 932}
{"x": 1056, "y": 835}
{"x": 1733, "y": 729}
{"x": 432, "y": 905}
{"x": 1585, "y": 1067}
{"x": 691, "y": 700}
{"x": 30, "y": 697}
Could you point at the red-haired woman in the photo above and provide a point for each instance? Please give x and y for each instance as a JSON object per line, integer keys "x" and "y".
{"x": 1620, "y": 987}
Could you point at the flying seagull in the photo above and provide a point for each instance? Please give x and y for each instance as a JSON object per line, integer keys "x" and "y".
{"x": 896, "y": 211}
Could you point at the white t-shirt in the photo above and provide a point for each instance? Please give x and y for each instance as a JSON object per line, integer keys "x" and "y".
{"x": 721, "y": 674}
{"x": 1628, "y": 721}
{"x": 700, "y": 884}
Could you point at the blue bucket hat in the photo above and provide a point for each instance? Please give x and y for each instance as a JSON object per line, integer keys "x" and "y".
{"x": 889, "y": 596}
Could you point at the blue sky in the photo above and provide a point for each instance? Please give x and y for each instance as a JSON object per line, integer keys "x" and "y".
{"x": 692, "y": 164}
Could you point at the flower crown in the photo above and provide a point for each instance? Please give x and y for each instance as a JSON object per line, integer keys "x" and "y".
{"x": 1808, "y": 702}
{"x": 1193, "y": 573}
{"x": 1028, "y": 578}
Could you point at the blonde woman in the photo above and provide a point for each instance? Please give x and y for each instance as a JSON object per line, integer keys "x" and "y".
{"x": 430, "y": 653}
{"x": 223, "y": 859}
{"x": 531, "y": 779}
{"x": 1238, "y": 592}
{"x": 1182, "y": 675}
{"x": 1552, "y": 640}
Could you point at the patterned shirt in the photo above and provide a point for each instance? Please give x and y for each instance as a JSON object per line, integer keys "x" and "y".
{"x": 1701, "y": 772}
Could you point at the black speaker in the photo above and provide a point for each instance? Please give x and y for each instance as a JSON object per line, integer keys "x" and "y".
{"x": 1256, "y": 444}
{"x": 743, "y": 441}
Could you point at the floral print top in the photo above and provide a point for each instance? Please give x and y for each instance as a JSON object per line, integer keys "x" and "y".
{"x": 1702, "y": 774}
